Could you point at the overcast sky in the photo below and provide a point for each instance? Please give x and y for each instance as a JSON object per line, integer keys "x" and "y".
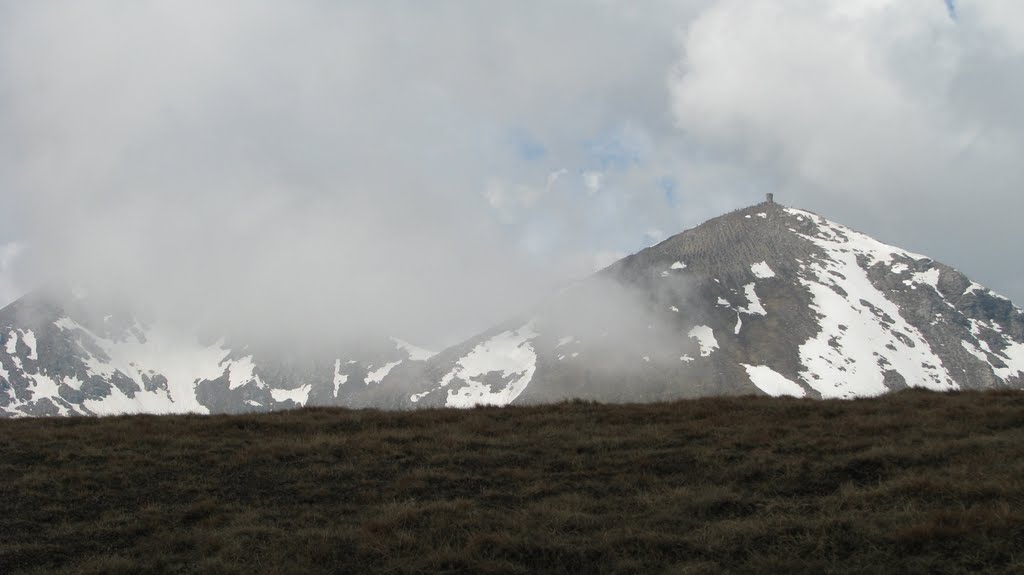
{"x": 435, "y": 166}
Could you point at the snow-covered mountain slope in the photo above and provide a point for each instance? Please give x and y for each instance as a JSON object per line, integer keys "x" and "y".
{"x": 768, "y": 300}
{"x": 57, "y": 359}
{"x": 765, "y": 300}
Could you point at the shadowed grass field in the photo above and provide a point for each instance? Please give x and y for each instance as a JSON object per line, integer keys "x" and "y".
{"x": 914, "y": 482}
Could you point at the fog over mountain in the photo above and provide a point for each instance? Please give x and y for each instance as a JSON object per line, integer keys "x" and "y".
{"x": 297, "y": 169}
{"x": 764, "y": 300}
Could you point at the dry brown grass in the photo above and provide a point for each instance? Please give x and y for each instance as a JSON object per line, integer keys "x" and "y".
{"x": 914, "y": 482}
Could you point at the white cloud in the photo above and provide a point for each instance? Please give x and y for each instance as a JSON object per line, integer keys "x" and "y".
{"x": 220, "y": 156}
{"x": 9, "y": 288}
{"x": 592, "y": 181}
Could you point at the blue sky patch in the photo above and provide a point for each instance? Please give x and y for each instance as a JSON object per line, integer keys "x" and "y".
{"x": 670, "y": 189}
{"x": 528, "y": 147}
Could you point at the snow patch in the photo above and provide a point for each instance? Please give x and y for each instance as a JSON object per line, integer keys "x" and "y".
{"x": 565, "y": 341}
{"x": 929, "y": 278}
{"x": 299, "y": 395}
{"x": 44, "y": 386}
{"x": 378, "y": 375}
{"x": 240, "y": 372}
{"x": 705, "y": 337}
{"x": 973, "y": 350}
{"x": 340, "y": 379}
{"x": 772, "y": 382}
{"x": 761, "y": 270}
{"x": 678, "y": 266}
{"x": 30, "y": 340}
{"x": 754, "y": 306}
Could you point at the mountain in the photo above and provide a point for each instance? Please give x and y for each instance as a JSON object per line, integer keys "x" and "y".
{"x": 764, "y": 300}
{"x": 64, "y": 354}
{"x": 767, "y": 299}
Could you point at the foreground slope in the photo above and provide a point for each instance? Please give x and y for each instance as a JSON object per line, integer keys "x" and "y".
{"x": 767, "y": 299}
{"x": 911, "y": 482}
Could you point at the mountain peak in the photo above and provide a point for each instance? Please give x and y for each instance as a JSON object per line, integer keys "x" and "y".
{"x": 769, "y": 299}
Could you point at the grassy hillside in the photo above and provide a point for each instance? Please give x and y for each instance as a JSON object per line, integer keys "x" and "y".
{"x": 914, "y": 482}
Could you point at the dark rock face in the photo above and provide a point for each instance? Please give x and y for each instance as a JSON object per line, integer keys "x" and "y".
{"x": 766, "y": 299}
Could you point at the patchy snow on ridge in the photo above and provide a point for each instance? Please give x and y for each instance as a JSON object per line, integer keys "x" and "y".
{"x": 772, "y": 382}
{"x": 1009, "y": 360}
{"x": 975, "y": 286}
{"x": 836, "y": 235}
{"x": 762, "y": 270}
{"x": 705, "y": 337}
{"x": 928, "y": 278}
{"x": 508, "y": 354}
{"x": 176, "y": 355}
{"x": 852, "y": 361}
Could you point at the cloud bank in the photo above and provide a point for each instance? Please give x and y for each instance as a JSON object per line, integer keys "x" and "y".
{"x": 428, "y": 170}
